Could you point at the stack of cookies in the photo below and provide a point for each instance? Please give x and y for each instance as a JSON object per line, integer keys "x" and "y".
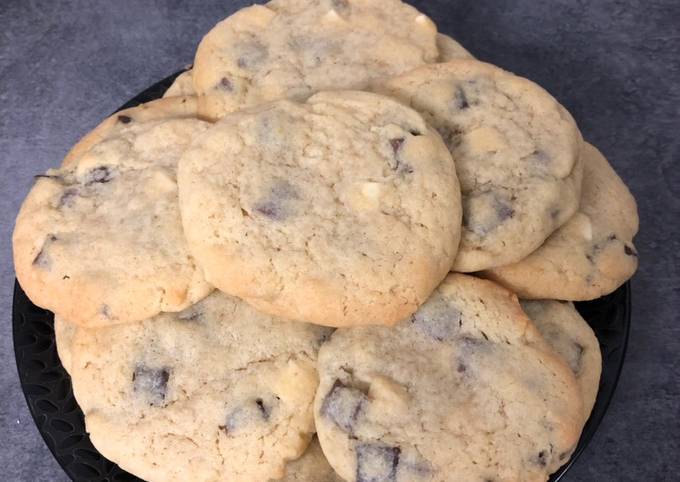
{"x": 276, "y": 249}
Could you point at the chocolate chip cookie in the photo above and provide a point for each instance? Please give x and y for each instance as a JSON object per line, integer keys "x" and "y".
{"x": 99, "y": 241}
{"x": 592, "y": 254}
{"x": 294, "y": 48}
{"x": 342, "y": 210}
{"x": 216, "y": 392}
{"x": 465, "y": 389}
{"x": 517, "y": 154}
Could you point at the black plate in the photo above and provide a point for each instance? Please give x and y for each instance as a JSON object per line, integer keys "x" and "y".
{"x": 47, "y": 386}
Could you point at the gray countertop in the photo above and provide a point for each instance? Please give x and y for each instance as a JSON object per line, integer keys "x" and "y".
{"x": 64, "y": 65}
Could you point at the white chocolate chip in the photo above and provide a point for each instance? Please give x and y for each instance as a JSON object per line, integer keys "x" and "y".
{"x": 365, "y": 196}
{"x": 332, "y": 16}
{"x": 484, "y": 140}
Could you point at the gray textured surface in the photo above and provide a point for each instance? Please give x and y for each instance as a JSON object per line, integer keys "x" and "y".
{"x": 614, "y": 63}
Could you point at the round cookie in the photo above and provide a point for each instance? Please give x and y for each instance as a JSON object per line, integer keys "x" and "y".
{"x": 589, "y": 256}
{"x": 64, "y": 332}
{"x": 342, "y": 210}
{"x": 449, "y": 49}
{"x": 216, "y": 392}
{"x": 466, "y": 389}
{"x": 294, "y": 48}
{"x": 182, "y": 86}
{"x": 516, "y": 151}
{"x": 99, "y": 241}
{"x": 311, "y": 467}
{"x": 572, "y": 339}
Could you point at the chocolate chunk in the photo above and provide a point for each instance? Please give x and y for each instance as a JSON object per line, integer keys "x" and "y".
{"x": 252, "y": 54}
{"x": 340, "y": 6}
{"x": 42, "y": 259}
{"x": 68, "y": 198}
{"x": 542, "y": 458}
{"x": 396, "y": 144}
{"x": 377, "y": 463}
{"x": 99, "y": 175}
{"x": 270, "y": 210}
{"x": 437, "y": 319}
{"x": 125, "y": 119}
{"x": 484, "y": 212}
{"x": 276, "y": 205}
{"x": 460, "y": 101}
{"x": 399, "y": 166}
{"x": 451, "y": 136}
{"x": 264, "y": 411}
{"x": 105, "y": 311}
{"x": 250, "y": 413}
{"x": 577, "y": 355}
{"x": 541, "y": 156}
{"x": 630, "y": 251}
{"x": 284, "y": 190}
{"x": 189, "y": 315}
{"x": 469, "y": 349}
{"x": 504, "y": 211}
{"x": 343, "y": 405}
{"x": 226, "y": 84}
{"x": 152, "y": 383}
{"x": 612, "y": 237}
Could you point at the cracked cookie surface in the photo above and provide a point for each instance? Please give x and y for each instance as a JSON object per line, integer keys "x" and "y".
{"x": 589, "y": 256}
{"x": 294, "y": 48}
{"x": 573, "y": 340}
{"x": 466, "y": 389}
{"x": 342, "y": 210}
{"x": 516, "y": 151}
{"x": 216, "y": 392}
{"x": 99, "y": 241}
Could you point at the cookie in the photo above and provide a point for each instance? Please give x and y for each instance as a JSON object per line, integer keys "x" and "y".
{"x": 572, "y": 339}
{"x": 342, "y": 210}
{"x": 466, "y": 389}
{"x": 183, "y": 85}
{"x": 63, "y": 338}
{"x": 517, "y": 154}
{"x": 592, "y": 254}
{"x": 311, "y": 467}
{"x": 216, "y": 392}
{"x": 449, "y": 49}
{"x": 99, "y": 241}
{"x": 294, "y": 48}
